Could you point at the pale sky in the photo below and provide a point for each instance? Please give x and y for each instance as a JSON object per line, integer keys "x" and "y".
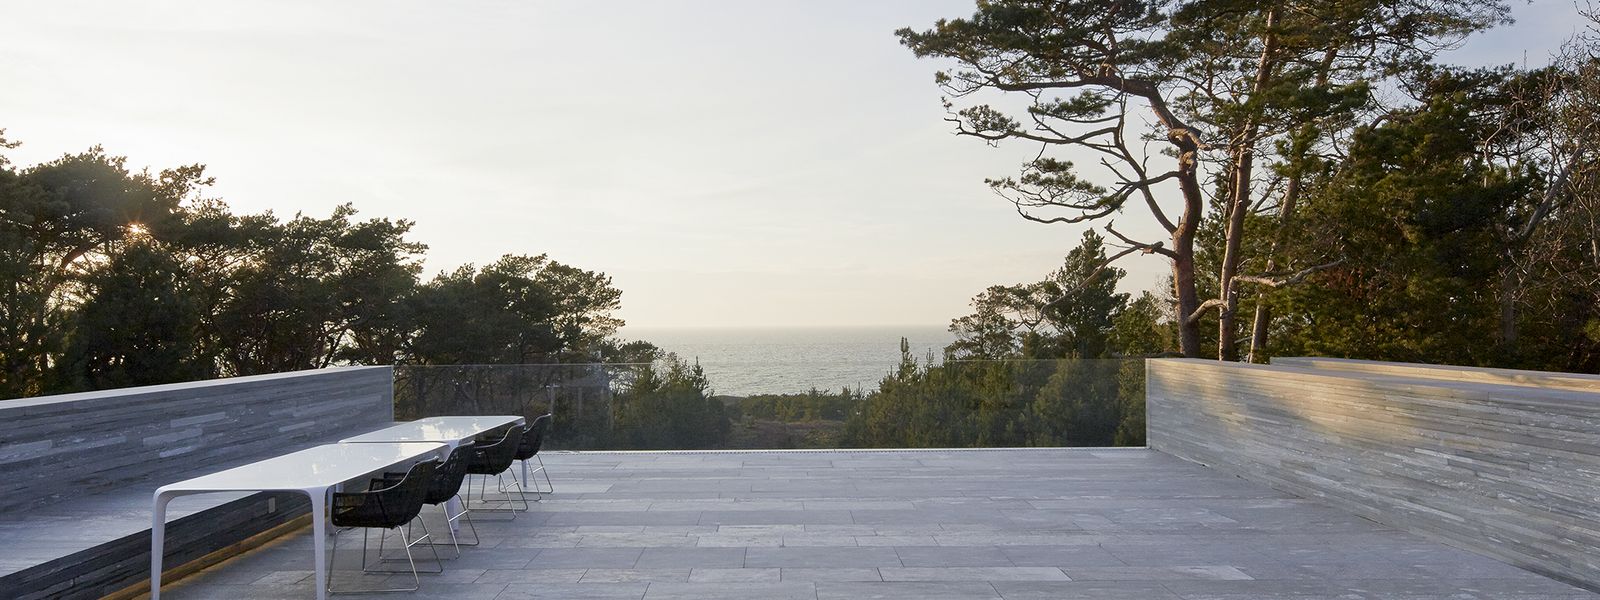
{"x": 729, "y": 163}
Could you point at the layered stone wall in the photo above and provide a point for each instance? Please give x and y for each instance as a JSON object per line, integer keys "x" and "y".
{"x": 60, "y": 447}
{"x": 1499, "y": 462}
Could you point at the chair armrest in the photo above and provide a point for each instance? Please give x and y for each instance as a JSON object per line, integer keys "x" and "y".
{"x": 379, "y": 485}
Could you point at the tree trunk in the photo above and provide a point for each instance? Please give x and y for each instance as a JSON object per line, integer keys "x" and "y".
{"x": 1509, "y": 279}
{"x": 1258, "y": 330}
{"x": 1188, "y": 300}
{"x": 1263, "y": 317}
{"x": 1508, "y": 307}
{"x": 1244, "y": 158}
{"x": 1259, "y": 333}
{"x": 1238, "y": 205}
{"x": 1183, "y": 250}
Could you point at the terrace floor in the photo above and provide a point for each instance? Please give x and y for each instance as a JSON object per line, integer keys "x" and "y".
{"x": 924, "y": 525}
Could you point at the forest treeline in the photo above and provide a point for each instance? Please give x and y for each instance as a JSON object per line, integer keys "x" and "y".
{"x": 1319, "y": 182}
{"x": 114, "y": 277}
{"x": 669, "y": 404}
{"x": 1072, "y": 375}
{"x": 1069, "y": 375}
{"x": 1027, "y": 370}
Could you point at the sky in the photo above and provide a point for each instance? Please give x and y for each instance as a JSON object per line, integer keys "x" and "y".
{"x": 729, "y": 163}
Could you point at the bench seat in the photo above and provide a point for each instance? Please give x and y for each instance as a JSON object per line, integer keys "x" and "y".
{"x": 96, "y": 545}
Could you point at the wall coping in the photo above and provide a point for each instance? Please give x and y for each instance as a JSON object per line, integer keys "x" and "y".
{"x": 1508, "y": 392}
{"x": 57, "y": 399}
{"x": 1519, "y": 377}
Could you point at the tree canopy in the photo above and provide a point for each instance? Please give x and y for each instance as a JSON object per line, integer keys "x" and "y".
{"x": 117, "y": 277}
{"x": 1310, "y": 162}
{"x": 1179, "y": 104}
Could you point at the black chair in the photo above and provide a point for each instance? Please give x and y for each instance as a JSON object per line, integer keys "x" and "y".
{"x": 492, "y": 459}
{"x": 529, "y": 449}
{"x": 389, "y": 504}
{"x": 445, "y": 485}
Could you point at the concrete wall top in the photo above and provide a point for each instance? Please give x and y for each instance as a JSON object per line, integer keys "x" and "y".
{"x": 1529, "y": 394}
{"x": 36, "y": 401}
{"x": 1519, "y": 377}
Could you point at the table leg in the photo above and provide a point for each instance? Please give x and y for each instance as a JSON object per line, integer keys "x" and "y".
{"x": 319, "y": 535}
{"x": 158, "y": 539}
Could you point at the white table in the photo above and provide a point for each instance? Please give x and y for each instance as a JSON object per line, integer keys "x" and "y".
{"x": 452, "y": 431}
{"x": 313, "y": 472}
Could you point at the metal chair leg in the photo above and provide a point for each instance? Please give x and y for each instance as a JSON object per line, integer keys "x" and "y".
{"x": 415, "y": 576}
{"x": 465, "y": 512}
{"x": 517, "y": 484}
{"x": 364, "y": 533}
{"x": 483, "y": 500}
{"x": 450, "y": 520}
{"x": 546, "y": 473}
{"x": 516, "y": 481}
{"x": 533, "y": 481}
{"x": 449, "y": 525}
{"x": 405, "y": 537}
{"x": 416, "y": 579}
{"x": 521, "y": 495}
{"x": 426, "y": 535}
{"x": 333, "y": 555}
{"x": 500, "y": 486}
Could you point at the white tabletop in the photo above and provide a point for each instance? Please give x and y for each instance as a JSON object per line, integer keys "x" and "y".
{"x": 320, "y": 467}
{"x": 450, "y": 430}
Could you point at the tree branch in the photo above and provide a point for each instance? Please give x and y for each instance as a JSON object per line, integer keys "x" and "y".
{"x": 1179, "y": 133}
{"x": 1090, "y": 279}
{"x": 1277, "y": 281}
{"x": 1088, "y": 216}
{"x": 1155, "y": 248}
{"x": 1200, "y": 311}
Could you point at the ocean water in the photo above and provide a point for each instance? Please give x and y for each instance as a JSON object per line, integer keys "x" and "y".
{"x": 789, "y": 360}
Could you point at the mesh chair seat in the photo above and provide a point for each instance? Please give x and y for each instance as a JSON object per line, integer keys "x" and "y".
{"x": 447, "y": 478}
{"x": 446, "y": 484}
{"x": 388, "y": 504}
{"x": 534, "y": 438}
{"x": 387, "y": 507}
{"x": 529, "y": 450}
{"x": 495, "y": 458}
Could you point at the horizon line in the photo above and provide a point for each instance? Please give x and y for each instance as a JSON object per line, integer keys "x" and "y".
{"x": 785, "y": 326}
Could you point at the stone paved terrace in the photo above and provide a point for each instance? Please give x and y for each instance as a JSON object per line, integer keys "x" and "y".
{"x": 924, "y": 525}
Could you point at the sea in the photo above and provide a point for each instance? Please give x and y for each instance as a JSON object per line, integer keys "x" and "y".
{"x": 793, "y": 360}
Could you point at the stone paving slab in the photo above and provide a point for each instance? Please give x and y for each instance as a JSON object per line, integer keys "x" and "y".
{"x": 1008, "y": 525}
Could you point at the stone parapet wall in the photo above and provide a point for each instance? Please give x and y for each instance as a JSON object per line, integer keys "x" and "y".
{"x": 1510, "y": 469}
{"x": 56, "y": 448}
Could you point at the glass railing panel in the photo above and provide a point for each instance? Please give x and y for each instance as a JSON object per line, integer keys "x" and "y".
{"x": 954, "y": 404}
